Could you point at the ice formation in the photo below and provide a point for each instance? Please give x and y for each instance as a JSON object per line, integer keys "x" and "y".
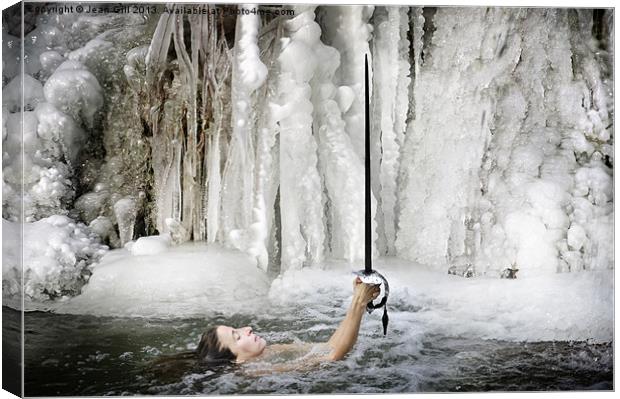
{"x": 391, "y": 61}
{"x": 247, "y": 231}
{"x": 492, "y": 134}
{"x": 57, "y": 126}
{"x": 493, "y": 159}
{"x": 301, "y": 197}
{"x": 57, "y": 258}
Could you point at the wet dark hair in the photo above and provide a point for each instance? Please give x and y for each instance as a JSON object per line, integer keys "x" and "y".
{"x": 210, "y": 349}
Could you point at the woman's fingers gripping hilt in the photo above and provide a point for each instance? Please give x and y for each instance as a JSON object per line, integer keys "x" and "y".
{"x": 376, "y": 290}
{"x": 356, "y": 281}
{"x": 366, "y": 292}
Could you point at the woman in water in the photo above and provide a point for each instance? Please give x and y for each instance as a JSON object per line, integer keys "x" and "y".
{"x": 228, "y": 344}
{"x": 223, "y": 345}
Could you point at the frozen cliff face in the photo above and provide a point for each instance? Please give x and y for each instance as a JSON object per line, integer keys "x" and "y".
{"x": 491, "y": 129}
{"x": 60, "y": 101}
{"x": 46, "y": 143}
{"x": 509, "y": 119}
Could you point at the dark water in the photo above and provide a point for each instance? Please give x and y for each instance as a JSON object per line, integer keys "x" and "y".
{"x": 11, "y": 351}
{"x": 84, "y": 355}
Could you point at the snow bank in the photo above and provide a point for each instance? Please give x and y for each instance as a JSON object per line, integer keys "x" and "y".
{"x": 203, "y": 280}
{"x": 57, "y": 255}
{"x": 189, "y": 280}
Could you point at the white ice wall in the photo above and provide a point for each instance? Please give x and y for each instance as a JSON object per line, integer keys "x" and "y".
{"x": 510, "y": 118}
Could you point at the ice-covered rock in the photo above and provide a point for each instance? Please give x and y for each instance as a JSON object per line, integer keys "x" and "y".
{"x": 63, "y": 138}
{"x": 12, "y": 93}
{"x": 104, "y": 228}
{"x": 21, "y": 129}
{"x": 91, "y": 205}
{"x": 95, "y": 56}
{"x": 75, "y": 92}
{"x": 46, "y": 180}
{"x": 51, "y": 193}
{"x": 56, "y": 258}
{"x": 50, "y": 60}
{"x": 11, "y": 54}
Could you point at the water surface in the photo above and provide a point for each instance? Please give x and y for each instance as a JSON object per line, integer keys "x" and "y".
{"x": 86, "y": 355}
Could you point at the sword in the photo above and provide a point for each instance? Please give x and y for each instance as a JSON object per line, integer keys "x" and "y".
{"x": 368, "y": 275}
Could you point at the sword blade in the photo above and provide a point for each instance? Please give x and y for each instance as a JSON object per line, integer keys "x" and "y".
{"x": 367, "y": 188}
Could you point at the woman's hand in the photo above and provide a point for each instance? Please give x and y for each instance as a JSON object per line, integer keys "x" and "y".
{"x": 364, "y": 293}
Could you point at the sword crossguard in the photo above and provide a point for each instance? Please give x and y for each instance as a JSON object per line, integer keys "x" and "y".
{"x": 374, "y": 277}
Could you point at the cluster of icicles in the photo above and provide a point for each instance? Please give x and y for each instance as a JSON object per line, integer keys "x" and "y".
{"x": 491, "y": 132}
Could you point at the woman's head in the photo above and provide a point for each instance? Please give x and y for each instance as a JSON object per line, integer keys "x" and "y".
{"x": 223, "y": 343}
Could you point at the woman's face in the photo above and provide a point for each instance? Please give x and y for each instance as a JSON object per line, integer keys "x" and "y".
{"x": 241, "y": 341}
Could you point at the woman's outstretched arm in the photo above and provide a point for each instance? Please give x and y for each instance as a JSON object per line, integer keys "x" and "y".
{"x": 339, "y": 344}
{"x": 344, "y": 338}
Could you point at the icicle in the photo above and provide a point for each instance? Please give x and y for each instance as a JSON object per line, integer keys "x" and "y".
{"x": 248, "y": 226}
{"x": 300, "y": 184}
{"x": 213, "y": 184}
{"x": 346, "y": 28}
{"x": 158, "y": 50}
{"x": 215, "y": 106}
{"x": 188, "y": 74}
{"x": 390, "y": 71}
{"x": 267, "y": 178}
{"x": 417, "y": 27}
{"x": 125, "y": 212}
{"x": 339, "y": 165}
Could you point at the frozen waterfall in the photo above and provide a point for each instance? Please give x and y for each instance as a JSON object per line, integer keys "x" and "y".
{"x": 492, "y": 134}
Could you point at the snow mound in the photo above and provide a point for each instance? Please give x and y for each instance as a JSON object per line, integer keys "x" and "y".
{"x": 150, "y": 245}
{"x": 194, "y": 279}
